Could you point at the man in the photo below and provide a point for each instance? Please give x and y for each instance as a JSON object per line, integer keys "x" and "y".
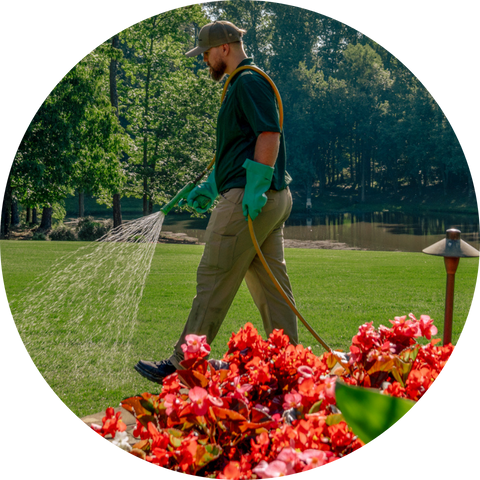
{"x": 249, "y": 178}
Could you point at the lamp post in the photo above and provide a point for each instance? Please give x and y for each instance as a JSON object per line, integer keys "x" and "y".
{"x": 452, "y": 248}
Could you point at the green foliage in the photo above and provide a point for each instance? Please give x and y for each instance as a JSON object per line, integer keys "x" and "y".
{"x": 59, "y": 212}
{"x": 170, "y": 105}
{"x": 88, "y": 230}
{"x": 355, "y": 118}
{"x": 39, "y": 235}
{"x": 62, "y": 233}
{"x": 368, "y": 412}
{"x": 73, "y": 140}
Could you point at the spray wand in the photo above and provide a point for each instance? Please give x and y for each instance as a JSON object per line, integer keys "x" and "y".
{"x": 182, "y": 194}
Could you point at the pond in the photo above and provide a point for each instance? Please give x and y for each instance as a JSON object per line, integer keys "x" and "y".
{"x": 381, "y": 231}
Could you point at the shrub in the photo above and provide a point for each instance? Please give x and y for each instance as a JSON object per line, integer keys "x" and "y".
{"x": 89, "y": 230}
{"x": 39, "y": 235}
{"x": 62, "y": 233}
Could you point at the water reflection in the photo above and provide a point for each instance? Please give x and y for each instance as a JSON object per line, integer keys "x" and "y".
{"x": 384, "y": 231}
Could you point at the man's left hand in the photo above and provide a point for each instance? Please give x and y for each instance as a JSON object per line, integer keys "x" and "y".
{"x": 259, "y": 180}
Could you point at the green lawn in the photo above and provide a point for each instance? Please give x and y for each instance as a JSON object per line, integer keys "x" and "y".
{"x": 336, "y": 291}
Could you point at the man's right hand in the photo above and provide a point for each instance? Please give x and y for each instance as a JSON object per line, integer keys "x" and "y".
{"x": 201, "y": 198}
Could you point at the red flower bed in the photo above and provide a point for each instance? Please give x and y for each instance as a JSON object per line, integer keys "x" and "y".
{"x": 271, "y": 411}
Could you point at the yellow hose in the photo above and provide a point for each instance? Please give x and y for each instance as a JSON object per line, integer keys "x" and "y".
{"x": 280, "y": 289}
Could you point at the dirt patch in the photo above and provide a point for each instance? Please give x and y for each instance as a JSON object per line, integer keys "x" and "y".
{"x": 21, "y": 233}
{"x": 183, "y": 238}
{"x": 323, "y": 244}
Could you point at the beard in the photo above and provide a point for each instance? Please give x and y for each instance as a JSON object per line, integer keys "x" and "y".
{"x": 218, "y": 72}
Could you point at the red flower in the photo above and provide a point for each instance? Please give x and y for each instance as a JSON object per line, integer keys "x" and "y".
{"x": 259, "y": 446}
{"x": 141, "y": 432}
{"x": 112, "y": 423}
{"x": 195, "y": 346}
{"x": 159, "y": 439}
{"x": 231, "y": 471}
{"x": 292, "y": 400}
{"x": 340, "y": 435}
{"x": 199, "y": 398}
{"x": 418, "y": 382}
{"x": 233, "y": 425}
{"x": 367, "y": 337}
{"x": 395, "y": 390}
{"x": 185, "y": 454}
{"x": 405, "y": 331}
{"x": 172, "y": 403}
{"x": 426, "y": 326}
{"x": 160, "y": 456}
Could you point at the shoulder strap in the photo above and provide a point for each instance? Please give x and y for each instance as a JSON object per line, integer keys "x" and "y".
{"x": 264, "y": 75}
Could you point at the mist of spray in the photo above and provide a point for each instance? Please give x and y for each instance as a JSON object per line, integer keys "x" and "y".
{"x": 78, "y": 319}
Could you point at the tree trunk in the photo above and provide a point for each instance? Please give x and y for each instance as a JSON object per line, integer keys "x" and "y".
{"x": 145, "y": 133}
{"x": 46, "y": 223}
{"x": 362, "y": 188}
{"x": 145, "y": 198}
{"x": 15, "y": 220}
{"x": 34, "y": 215}
{"x": 6, "y": 210}
{"x": 117, "y": 211}
{"x": 81, "y": 204}
{"x": 113, "y": 75}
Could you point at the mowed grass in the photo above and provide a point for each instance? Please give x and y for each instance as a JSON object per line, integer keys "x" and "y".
{"x": 335, "y": 291}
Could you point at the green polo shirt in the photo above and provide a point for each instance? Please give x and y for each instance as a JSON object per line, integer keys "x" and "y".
{"x": 248, "y": 109}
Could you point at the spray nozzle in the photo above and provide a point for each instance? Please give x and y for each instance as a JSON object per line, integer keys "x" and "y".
{"x": 180, "y": 196}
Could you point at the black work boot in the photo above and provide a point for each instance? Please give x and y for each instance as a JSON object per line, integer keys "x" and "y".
{"x": 155, "y": 371}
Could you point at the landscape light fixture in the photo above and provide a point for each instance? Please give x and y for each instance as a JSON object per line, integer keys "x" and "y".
{"x": 452, "y": 248}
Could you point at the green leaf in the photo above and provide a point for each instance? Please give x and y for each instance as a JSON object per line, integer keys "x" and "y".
{"x": 404, "y": 363}
{"x": 367, "y": 411}
{"x": 334, "y": 419}
{"x": 176, "y": 437}
{"x": 316, "y": 407}
{"x": 206, "y": 454}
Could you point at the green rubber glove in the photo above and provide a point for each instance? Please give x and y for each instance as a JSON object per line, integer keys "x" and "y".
{"x": 259, "y": 180}
{"x": 201, "y": 198}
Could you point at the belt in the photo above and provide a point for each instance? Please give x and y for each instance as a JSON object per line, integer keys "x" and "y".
{"x": 269, "y": 190}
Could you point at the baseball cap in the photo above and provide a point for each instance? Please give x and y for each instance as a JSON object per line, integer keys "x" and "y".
{"x": 215, "y": 34}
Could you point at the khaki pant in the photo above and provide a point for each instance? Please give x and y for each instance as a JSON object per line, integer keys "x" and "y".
{"x": 230, "y": 256}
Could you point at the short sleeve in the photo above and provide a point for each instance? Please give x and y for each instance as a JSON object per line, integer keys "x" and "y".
{"x": 258, "y": 103}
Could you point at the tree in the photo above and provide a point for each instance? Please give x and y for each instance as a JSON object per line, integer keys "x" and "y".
{"x": 117, "y": 211}
{"x": 72, "y": 142}
{"x": 44, "y": 164}
{"x": 98, "y": 169}
{"x": 252, "y": 16}
{"x": 294, "y": 40}
{"x": 169, "y": 104}
{"x": 367, "y": 82}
